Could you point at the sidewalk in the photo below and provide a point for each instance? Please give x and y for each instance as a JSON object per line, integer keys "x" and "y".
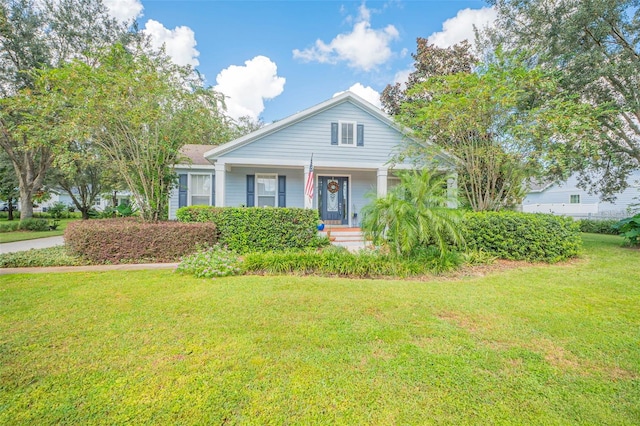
{"x": 37, "y": 243}
{"x": 92, "y": 268}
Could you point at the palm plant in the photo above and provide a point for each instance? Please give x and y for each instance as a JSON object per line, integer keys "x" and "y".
{"x": 414, "y": 214}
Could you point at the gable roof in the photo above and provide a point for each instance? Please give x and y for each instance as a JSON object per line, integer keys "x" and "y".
{"x": 302, "y": 115}
{"x": 195, "y": 154}
{"x": 538, "y": 186}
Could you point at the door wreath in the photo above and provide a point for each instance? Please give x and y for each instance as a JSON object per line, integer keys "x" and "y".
{"x": 333, "y": 187}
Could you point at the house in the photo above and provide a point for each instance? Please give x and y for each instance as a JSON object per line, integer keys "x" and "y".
{"x": 351, "y": 142}
{"x": 569, "y": 200}
{"x": 101, "y": 202}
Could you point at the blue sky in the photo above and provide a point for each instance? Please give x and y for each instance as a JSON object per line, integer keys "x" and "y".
{"x": 274, "y": 58}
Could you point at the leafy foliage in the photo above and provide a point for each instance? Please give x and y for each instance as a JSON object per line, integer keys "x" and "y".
{"x": 213, "y": 262}
{"x": 430, "y": 61}
{"x": 9, "y": 226}
{"x": 250, "y": 229}
{"x": 491, "y": 120}
{"x": 132, "y": 241}
{"x": 32, "y": 224}
{"x": 57, "y": 209}
{"x": 523, "y": 236}
{"x": 594, "y": 46}
{"x": 598, "y": 226}
{"x": 53, "y": 256}
{"x": 35, "y": 36}
{"x": 338, "y": 261}
{"x": 415, "y": 213}
{"x": 139, "y": 109}
{"x": 629, "y": 228}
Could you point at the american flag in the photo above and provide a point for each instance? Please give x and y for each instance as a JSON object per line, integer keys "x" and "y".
{"x": 308, "y": 188}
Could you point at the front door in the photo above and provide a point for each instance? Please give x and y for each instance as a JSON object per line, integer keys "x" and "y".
{"x": 333, "y": 200}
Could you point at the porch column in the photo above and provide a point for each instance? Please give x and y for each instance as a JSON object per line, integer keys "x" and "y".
{"x": 220, "y": 183}
{"x": 382, "y": 182}
{"x": 308, "y": 202}
{"x": 452, "y": 191}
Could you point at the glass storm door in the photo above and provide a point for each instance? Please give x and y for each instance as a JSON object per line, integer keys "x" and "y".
{"x": 333, "y": 203}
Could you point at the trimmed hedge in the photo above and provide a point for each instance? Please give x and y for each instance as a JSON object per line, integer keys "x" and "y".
{"x": 251, "y": 229}
{"x": 604, "y": 226}
{"x": 132, "y": 241}
{"x": 523, "y": 236}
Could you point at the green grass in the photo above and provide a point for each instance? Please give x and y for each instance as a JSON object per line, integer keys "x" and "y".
{"x": 547, "y": 345}
{"x": 10, "y": 237}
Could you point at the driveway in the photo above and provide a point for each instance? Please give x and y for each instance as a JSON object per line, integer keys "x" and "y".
{"x": 31, "y": 244}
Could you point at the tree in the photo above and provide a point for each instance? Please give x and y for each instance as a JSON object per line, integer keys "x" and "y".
{"x": 414, "y": 213}
{"x": 37, "y": 35}
{"x": 139, "y": 109}
{"x": 594, "y": 43}
{"x": 84, "y": 174}
{"x": 492, "y": 120}
{"x": 8, "y": 184}
{"x": 430, "y": 61}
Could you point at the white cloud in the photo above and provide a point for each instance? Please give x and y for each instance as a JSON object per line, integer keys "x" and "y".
{"x": 367, "y": 93}
{"x": 124, "y": 10}
{"x": 363, "y": 48}
{"x": 460, "y": 27}
{"x": 246, "y": 87}
{"x": 179, "y": 43}
{"x": 402, "y": 76}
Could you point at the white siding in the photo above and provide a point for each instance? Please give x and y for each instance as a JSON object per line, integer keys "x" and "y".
{"x": 557, "y": 199}
{"x": 313, "y": 136}
{"x": 236, "y": 185}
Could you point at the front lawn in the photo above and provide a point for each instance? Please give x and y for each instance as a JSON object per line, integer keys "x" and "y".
{"x": 545, "y": 344}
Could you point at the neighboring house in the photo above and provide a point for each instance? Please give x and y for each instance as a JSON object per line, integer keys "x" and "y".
{"x": 352, "y": 143}
{"x": 569, "y": 200}
{"x": 101, "y": 202}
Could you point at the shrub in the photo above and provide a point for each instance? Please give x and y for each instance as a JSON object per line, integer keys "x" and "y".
{"x": 9, "y": 226}
{"x": 338, "y": 261}
{"x": 34, "y": 224}
{"x": 598, "y": 226}
{"x": 132, "y": 241}
{"x": 57, "y": 209}
{"x": 247, "y": 229}
{"x": 215, "y": 261}
{"x": 413, "y": 214}
{"x": 629, "y": 228}
{"x": 53, "y": 256}
{"x": 523, "y": 236}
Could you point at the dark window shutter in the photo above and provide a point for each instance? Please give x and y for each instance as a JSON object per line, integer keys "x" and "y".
{"x": 213, "y": 190}
{"x": 334, "y": 133}
{"x": 182, "y": 190}
{"x": 251, "y": 190}
{"x": 360, "y": 134}
{"x": 282, "y": 191}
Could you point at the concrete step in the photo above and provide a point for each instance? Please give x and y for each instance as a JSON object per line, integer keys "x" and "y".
{"x": 347, "y": 235}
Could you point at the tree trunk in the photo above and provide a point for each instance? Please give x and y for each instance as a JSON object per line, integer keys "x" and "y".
{"x": 10, "y": 205}
{"x": 85, "y": 212}
{"x": 26, "y": 203}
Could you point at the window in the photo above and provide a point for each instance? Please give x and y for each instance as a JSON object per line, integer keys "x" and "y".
{"x": 200, "y": 190}
{"x": 347, "y": 136}
{"x": 97, "y": 201}
{"x": 575, "y": 199}
{"x": 266, "y": 190}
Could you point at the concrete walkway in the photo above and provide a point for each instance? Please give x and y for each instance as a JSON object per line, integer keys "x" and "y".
{"x": 31, "y": 244}
{"x": 58, "y": 241}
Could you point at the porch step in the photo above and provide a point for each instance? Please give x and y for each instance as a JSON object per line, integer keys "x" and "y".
{"x": 344, "y": 235}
